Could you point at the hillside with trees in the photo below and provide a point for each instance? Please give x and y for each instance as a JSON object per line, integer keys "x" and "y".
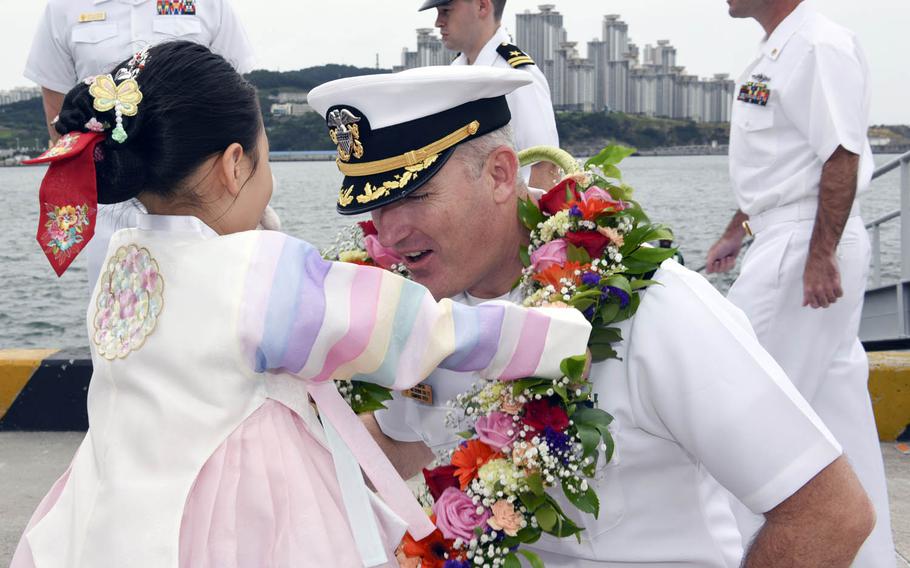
{"x": 22, "y": 123}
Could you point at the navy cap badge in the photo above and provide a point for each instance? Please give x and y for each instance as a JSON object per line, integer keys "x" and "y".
{"x": 345, "y": 133}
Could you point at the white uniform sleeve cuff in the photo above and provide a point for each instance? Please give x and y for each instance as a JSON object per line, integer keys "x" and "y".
{"x": 45, "y": 82}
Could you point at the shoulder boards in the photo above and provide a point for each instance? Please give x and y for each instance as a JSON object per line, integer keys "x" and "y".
{"x": 514, "y": 56}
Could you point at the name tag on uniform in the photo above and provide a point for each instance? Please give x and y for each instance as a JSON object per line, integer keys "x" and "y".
{"x": 92, "y": 17}
{"x": 176, "y": 7}
{"x": 420, "y": 393}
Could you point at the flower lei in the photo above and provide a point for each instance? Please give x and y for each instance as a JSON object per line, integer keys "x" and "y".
{"x": 522, "y": 438}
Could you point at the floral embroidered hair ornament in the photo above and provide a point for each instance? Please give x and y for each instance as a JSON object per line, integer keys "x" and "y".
{"x": 68, "y": 196}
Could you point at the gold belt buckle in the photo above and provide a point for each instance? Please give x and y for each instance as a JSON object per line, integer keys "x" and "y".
{"x": 421, "y": 393}
{"x": 748, "y": 228}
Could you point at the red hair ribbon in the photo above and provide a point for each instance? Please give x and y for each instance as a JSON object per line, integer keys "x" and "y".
{"x": 68, "y": 198}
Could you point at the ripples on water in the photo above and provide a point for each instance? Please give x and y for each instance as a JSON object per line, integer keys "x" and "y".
{"x": 37, "y": 309}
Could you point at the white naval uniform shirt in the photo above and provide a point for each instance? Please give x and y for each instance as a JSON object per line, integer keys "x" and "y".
{"x": 533, "y": 121}
{"x": 65, "y": 51}
{"x": 819, "y": 99}
{"x": 696, "y": 401}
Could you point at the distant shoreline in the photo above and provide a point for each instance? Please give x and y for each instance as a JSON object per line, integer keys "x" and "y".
{"x": 665, "y": 152}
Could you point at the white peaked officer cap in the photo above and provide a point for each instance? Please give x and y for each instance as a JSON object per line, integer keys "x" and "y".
{"x": 394, "y": 131}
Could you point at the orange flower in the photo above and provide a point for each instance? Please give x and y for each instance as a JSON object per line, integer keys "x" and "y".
{"x": 554, "y": 273}
{"x": 431, "y": 551}
{"x": 470, "y": 457}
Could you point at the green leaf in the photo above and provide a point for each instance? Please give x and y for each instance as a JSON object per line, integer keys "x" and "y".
{"x": 511, "y": 561}
{"x": 532, "y": 558}
{"x": 590, "y": 438}
{"x": 607, "y": 437}
{"x": 605, "y": 335}
{"x": 610, "y": 156}
{"x": 593, "y": 417}
{"x": 577, "y": 254}
{"x": 573, "y": 367}
{"x": 546, "y": 517}
{"x": 654, "y": 255}
{"x": 586, "y": 501}
{"x": 608, "y": 312}
{"x": 535, "y": 484}
{"x": 642, "y": 283}
{"x": 521, "y": 385}
{"x": 581, "y": 304}
{"x": 620, "y": 282}
{"x": 524, "y": 255}
{"x": 531, "y": 501}
{"x": 467, "y": 434}
{"x": 529, "y": 213}
{"x": 529, "y": 535}
{"x": 602, "y": 352}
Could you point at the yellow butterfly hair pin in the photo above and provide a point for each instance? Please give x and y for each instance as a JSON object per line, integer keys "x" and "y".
{"x": 124, "y": 97}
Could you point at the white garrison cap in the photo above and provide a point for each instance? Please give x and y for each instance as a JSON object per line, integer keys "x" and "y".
{"x": 394, "y": 131}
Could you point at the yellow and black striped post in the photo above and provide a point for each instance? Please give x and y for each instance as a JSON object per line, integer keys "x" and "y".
{"x": 43, "y": 389}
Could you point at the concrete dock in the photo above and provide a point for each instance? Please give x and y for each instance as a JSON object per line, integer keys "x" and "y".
{"x": 31, "y": 461}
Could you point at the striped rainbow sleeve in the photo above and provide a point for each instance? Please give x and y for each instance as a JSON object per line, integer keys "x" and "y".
{"x": 324, "y": 320}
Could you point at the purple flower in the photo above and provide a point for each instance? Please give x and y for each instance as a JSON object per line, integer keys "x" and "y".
{"x": 590, "y": 278}
{"x": 618, "y": 292}
{"x": 558, "y": 442}
{"x": 496, "y": 429}
{"x": 457, "y": 516}
{"x": 456, "y": 564}
{"x": 574, "y": 211}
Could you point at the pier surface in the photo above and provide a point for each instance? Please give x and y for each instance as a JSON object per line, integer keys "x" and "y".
{"x": 31, "y": 461}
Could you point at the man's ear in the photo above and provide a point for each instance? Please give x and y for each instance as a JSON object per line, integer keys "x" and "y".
{"x": 484, "y": 8}
{"x": 502, "y": 167}
{"x": 229, "y": 168}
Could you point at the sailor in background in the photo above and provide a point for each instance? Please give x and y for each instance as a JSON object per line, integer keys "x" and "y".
{"x": 78, "y": 39}
{"x": 474, "y": 28}
{"x": 799, "y": 154}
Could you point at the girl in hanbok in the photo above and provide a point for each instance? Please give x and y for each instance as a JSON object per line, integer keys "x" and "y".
{"x": 209, "y": 339}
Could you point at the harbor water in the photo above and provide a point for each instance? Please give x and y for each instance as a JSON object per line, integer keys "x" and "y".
{"x": 691, "y": 194}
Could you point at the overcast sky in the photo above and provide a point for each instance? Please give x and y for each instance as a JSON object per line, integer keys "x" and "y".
{"x": 292, "y": 34}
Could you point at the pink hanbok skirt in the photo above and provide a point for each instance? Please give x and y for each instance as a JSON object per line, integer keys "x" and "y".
{"x": 266, "y": 498}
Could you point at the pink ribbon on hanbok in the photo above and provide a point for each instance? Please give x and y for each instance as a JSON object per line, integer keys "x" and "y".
{"x": 372, "y": 460}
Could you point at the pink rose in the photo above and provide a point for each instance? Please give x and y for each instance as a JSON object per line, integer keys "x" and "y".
{"x": 384, "y": 257}
{"x": 496, "y": 429}
{"x": 595, "y": 192}
{"x": 554, "y": 252}
{"x": 456, "y": 515}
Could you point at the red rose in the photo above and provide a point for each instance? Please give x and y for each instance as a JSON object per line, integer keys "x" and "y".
{"x": 556, "y": 199}
{"x": 591, "y": 241}
{"x": 368, "y": 228}
{"x": 542, "y": 413}
{"x": 439, "y": 479}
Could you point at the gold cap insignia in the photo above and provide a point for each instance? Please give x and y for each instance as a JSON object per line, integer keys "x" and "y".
{"x": 345, "y": 133}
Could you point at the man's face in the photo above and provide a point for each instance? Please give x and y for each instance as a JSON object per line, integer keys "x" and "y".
{"x": 747, "y": 8}
{"x": 447, "y": 231}
{"x": 458, "y": 23}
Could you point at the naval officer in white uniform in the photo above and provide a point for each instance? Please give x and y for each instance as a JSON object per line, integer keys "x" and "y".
{"x": 77, "y": 39}
{"x": 696, "y": 399}
{"x": 799, "y": 155}
{"x": 474, "y": 28}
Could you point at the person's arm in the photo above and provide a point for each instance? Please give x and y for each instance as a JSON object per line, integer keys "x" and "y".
{"x": 407, "y": 457}
{"x": 821, "y": 525}
{"x": 722, "y": 255}
{"x": 544, "y": 175}
{"x": 53, "y": 102}
{"x": 836, "y": 192}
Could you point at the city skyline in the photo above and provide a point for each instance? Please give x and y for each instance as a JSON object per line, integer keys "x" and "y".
{"x": 615, "y": 75}
{"x": 295, "y": 34}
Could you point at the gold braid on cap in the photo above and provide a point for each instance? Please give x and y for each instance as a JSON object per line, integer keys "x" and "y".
{"x": 409, "y": 158}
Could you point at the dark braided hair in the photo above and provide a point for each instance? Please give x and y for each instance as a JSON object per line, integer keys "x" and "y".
{"x": 194, "y": 106}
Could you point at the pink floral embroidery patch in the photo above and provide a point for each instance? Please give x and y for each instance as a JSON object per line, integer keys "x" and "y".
{"x": 129, "y": 302}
